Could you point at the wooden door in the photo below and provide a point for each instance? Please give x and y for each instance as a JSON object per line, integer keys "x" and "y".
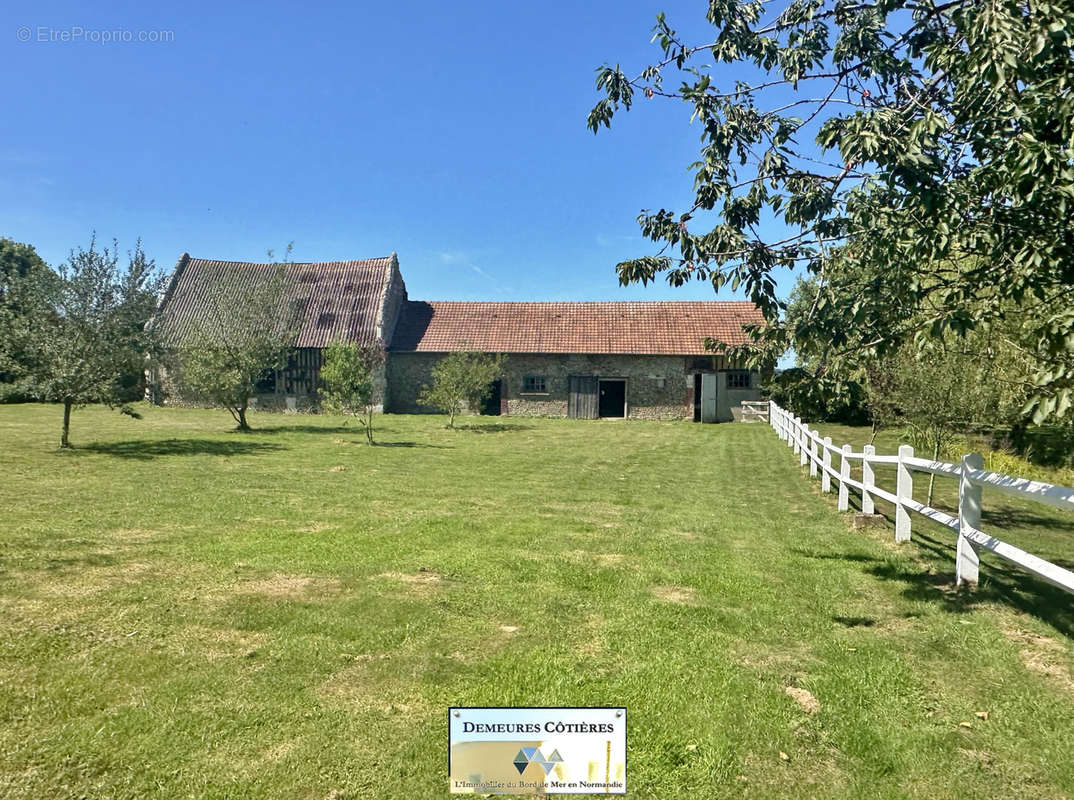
{"x": 582, "y": 397}
{"x": 708, "y": 397}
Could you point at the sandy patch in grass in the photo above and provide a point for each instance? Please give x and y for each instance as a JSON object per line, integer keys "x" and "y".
{"x": 361, "y": 691}
{"x": 220, "y": 643}
{"x": 318, "y": 527}
{"x": 804, "y": 698}
{"x": 510, "y": 630}
{"x": 421, "y": 582}
{"x": 1041, "y": 654}
{"x": 681, "y": 595}
{"x": 980, "y": 756}
{"x": 286, "y": 586}
{"x": 279, "y": 751}
{"x": 603, "y": 559}
{"x": 593, "y": 639}
{"x": 87, "y": 581}
{"x": 789, "y": 661}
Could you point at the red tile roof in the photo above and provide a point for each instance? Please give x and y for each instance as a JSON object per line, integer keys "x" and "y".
{"x": 651, "y": 328}
{"x": 340, "y": 299}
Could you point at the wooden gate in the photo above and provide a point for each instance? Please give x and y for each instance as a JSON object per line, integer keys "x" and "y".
{"x": 582, "y": 399}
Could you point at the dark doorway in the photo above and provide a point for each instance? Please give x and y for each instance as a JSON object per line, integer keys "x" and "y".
{"x": 613, "y": 398}
{"x": 491, "y": 406}
{"x": 697, "y": 397}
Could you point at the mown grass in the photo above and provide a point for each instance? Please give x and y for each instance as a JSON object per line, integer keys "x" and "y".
{"x": 1039, "y": 529}
{"x": 190, "y": 612}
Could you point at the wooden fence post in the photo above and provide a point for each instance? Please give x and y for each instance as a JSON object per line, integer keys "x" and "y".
{"x": 904, "y": 490}
{"x": 772, "y": 416}
{"x": 844, "y": 474}
{"x": 807, "y": 436}
{"x": 867, "y": 481}
{"x": 813, "y": 454}
{"x": 967, "y": 560}
{"x": 826, "y": 476}
{"x": 790, "y": 430}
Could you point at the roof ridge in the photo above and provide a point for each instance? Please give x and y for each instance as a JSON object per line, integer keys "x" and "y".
{"x": 583, "y": 302}
{"x": 288, "y": 263}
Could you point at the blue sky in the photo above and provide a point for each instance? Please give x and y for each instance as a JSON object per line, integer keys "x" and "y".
{"x": 452, "y": 133}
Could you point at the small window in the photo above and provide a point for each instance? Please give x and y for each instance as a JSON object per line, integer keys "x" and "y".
{"x": 739, "y": 379}
{"x": 534, "y": 384}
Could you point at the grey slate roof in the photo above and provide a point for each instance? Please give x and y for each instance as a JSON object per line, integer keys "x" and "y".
{"x": 340, "y": 299}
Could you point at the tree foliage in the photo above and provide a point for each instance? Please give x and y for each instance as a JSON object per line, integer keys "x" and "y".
{"x": 941, "y": 392}
{"x": 245, "y": 330}
{"x": 349, "y": 378}
{"x": 75, "y": 336}
{"x": 461, "y": 378}
{"x": 940, "y": 164}
{"x": 23, "y": 273}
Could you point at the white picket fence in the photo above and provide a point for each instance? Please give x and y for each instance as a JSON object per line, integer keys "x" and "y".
{"x": 971, "y": 475}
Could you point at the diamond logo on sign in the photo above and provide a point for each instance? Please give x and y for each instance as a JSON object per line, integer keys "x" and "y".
{"x": 532, "y": 755}
{"x": 537, "y": 750}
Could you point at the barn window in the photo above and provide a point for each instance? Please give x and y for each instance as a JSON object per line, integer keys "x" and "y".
{"x": 739, "y": 379}
{"x": 534, "y": 384}
{"x": 266, "y": 382}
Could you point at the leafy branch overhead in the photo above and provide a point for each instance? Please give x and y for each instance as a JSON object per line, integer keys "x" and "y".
{"x": 927, "y": 144}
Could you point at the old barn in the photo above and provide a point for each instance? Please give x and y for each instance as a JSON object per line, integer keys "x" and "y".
{"x": 586, "y": 360}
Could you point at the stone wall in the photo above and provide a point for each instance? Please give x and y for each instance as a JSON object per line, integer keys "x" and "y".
{"x": 392, "y": 303}
{"x": 646, "y": 397}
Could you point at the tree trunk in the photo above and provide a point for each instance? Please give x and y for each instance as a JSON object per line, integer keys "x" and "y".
{"x": 242, "y": 417}
{"x": 369, "y": 426}
{"x": 1018, "y": 436}
{"x": 64, "y": 441}
{"x": 451, "y": 418}
{"x": 932, "y": 475}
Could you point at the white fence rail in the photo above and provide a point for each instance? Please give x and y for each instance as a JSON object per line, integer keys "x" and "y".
{"x": 754, "y": 411}
{"x": 970, "y": 473}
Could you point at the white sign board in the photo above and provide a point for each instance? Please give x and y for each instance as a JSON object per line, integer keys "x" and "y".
{"x": 537, "y": 750}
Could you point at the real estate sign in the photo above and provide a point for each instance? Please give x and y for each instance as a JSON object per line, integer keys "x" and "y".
{"x": 537, "y": 750}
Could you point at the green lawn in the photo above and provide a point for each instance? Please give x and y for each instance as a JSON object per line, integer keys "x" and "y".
{"x": 1036, "y": 528}
{"x": 190, "y": 612}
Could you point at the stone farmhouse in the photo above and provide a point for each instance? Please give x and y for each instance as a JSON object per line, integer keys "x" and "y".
{"x": 587, "y": 360}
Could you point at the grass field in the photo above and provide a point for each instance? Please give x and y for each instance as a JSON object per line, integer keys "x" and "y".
{"x": 190, "y": 612}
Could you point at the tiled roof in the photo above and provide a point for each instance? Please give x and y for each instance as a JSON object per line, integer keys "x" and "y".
{"x": 340, "y": 299}
{"x": 652, "y": 328}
